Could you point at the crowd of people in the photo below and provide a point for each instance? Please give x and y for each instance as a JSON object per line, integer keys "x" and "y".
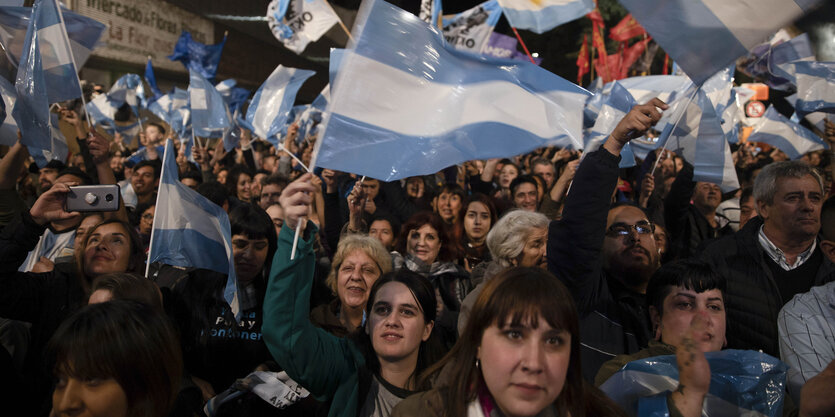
{"x": 505, "y": 287}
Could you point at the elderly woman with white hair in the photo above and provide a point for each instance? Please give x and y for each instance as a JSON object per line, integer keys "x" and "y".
{"x": 517, "y": 239}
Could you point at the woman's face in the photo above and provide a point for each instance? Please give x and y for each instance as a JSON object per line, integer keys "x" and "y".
{"x": 507, "y": 175}
{"x": 477, "y": 221}
{"x": 244, "y": 183}
{"x": 107, "y": 251}
{"x": 396, "y": 324}
{"x": 424, "y": 243}
{"x": 533, "y": 254}
{"x": 221, "y": 176}
{"x": 357, "y": 273}
{"x": 146, "y": 222}
{"x": 523, "y": 367}
{"x": 250, "y": 255}
{"x": 73, "y": 397}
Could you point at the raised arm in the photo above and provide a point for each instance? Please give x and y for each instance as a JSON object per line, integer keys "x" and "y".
{"x": 100, "y": 152}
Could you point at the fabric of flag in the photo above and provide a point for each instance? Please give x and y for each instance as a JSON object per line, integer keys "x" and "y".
{"x": 598, "y": 43}
{"x": 31, "y": 110}
{"x": 8, "y": 128}
{"x": 151, "y": 79}
{"x": 704, "y": 36}
{"x": 618, "y": 103}
{"x": 296, "y": 23}
{"x": 790, "y": 137}
{"x": 196, "y": 56}
{"x": 609, "y": 66}
{"x": 583, "y": 60}
{"x": 503, "y": 46}
{"x": 128, "y": 131}
{"x": 595, "y": 16}
{"x": 431, "y": 12}
{"x": 815, "y": 87}
{"x": 641, "y": 386}
{"x": 209, "y": 116}
{"x": 235, "y": 97}
{"x": 191, "y": 231}
{"x": 781, "y": 74}
{"x": 166, "y": 106}
{"x": 127, "y": 89}
{"x": 626, "y": 29}
{"x": 410, "y": 104}
{"x": 83, "y": 32}
{"x": 102, "y": 110}
{"x": 470, "y": 30}
{"x": 271, "y": 105}
{"x": 631, "y": 55}
{"x": 540, "y": 16}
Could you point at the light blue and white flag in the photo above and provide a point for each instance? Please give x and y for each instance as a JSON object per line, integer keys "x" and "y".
{"x": 815, "y": 87}
{"x": 191, "y": 231}
{"x": 128, "y": 131}
{"x": 470, "y": 30}
{"x": 704, "y": 36}
{"x": 618, "y": 103}
{"x": 790, "y": 137}
{"x": 209, "y": 115}
{"x": 782, "y": 73}
{"x": 235, "y": 97}
{"x": 8, "y": 128}
{"x": 430, "y": 11}
{"x": 102, "y": 110}
{"x": 642, "y": 89}
{"x": 128, "y": 89}
{"x": 543, "y": 15}
{"x": 410, "y": 104}
{"x": 817, "y": 119}
{"x": 271, "y": 105}
{"x": 83, "y": 32}
{"x": 698, "y": 138}
{"x": 166, "y": 106}
{"x": 296, "y": 23}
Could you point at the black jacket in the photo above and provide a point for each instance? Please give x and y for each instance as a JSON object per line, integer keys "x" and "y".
{"x": 753, "y": 299}
{"x": 43, "y": 299}
{"x": 613, "y": 319}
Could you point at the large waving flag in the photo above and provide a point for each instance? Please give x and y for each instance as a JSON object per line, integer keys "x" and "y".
{"x": 166, "y": 106}
{"x": 209, "y": 115}
{"x": 270, "y": 107}
{"x": 297, "y": 23}
{"x": 128, "y": 89}
{"x": 626, "y": 29}
{"x": 46, "y": 74}
{"x": 543, "y": 15}
{"x": 235, "y": 97}
{"x": 406, "y": 103}
{"x": 8, "y": 128}
{"x": 815, "y": 87}
{"x": 151, "y": 79}
{"x": 790, "y": 137}
{"x": 618, "y": 103}
{"x": 196, "y": 56}
{"x": 470, "y": 30}
{"x": 704, "y": 36}
{"x": 83, "y": 32}
{"x": 191, "y": 231}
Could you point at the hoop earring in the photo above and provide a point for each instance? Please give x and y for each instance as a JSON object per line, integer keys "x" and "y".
{"x": 477, "y": 364}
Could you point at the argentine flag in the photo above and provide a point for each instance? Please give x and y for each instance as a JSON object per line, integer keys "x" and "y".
{"x": 543, "y": 15}
{"x": 470, "y": 30}
{"x": 191, "y": 231}
{"x": 406, "y": 103}
{"x": 209, "y": 115}
{"x": 270, "y": 107}
{"x": 618, "y": 103}
{"x": 705, "y": 36}
{"x": 8, "y": 128}
{"x": 790, "y": 137}
{"x": 815, "y": 87}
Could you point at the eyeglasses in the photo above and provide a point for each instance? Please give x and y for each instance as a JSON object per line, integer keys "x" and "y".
{"x": 148, "y": 216}
{"x": 623, "y": 229}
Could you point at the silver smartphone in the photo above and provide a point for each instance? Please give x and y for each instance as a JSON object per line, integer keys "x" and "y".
{"x": 93, "y": 198}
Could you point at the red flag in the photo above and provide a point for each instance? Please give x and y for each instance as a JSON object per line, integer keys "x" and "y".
{"x": 583, "y": 61}
{"x": 595, "y": 16}
{"x": 609, "y": 69}
{"x": 631, "y": 55}
{"x": 666, "y": 62}
{"x": 599, "y": 44}
{"x": 626, "y": 29}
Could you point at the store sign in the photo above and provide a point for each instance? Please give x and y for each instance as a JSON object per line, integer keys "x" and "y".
{"x": 141, "y": 28}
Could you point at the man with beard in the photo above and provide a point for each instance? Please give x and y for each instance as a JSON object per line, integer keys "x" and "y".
{"x": 606, "y": 254}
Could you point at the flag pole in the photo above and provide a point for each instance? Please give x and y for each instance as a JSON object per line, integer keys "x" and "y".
{"x": 339, "y": 20}
{"x": 66, "y": 40}
{"x": 525, "y": 47}
{"x": 675, "y": 125}
{"x": 154, "y": 223}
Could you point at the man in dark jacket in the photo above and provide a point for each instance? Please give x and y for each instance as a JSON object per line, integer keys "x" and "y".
{"x": 605, "y": 255}
{"x": 775, "y": 256}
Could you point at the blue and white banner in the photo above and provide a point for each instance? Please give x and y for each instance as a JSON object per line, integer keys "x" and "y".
{"x": 781, "y": 72}
{"x": 8, "y": 128}
{"x": 618, "y": 103}
{"x": 790, "y": 137}
{"x": 128, "y": 89}
{"x": 470, "y": 30}
{"x": 235, "y": 97}
{"x": 209, "y": 115}
{"x": 191, "y": 231}
{"x": 704, "y": 36}
{"x": 83, "y": 32}
{"x": 151, "y": 79}
{"x": 270, "y": 107}
{"x": 410, "y": 104}
{"x": 296, "y": 23}
{"x": 815, "y": 87}
{"x": 196, "y": 56}
{"x": 102, "y": 110}
{"x": 167, "y": 106}
{"x": 543, "y": 15}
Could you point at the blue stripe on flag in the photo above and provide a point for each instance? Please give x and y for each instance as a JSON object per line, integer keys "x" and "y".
{"x": 551, "y": 15}
{"x": 200, "y": 250}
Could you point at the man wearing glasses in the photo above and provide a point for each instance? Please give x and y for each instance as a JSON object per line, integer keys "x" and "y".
{"x": 606, "y": 254}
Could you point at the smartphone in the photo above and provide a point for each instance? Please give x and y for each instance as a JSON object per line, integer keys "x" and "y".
{"x": 93, "y": 198}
